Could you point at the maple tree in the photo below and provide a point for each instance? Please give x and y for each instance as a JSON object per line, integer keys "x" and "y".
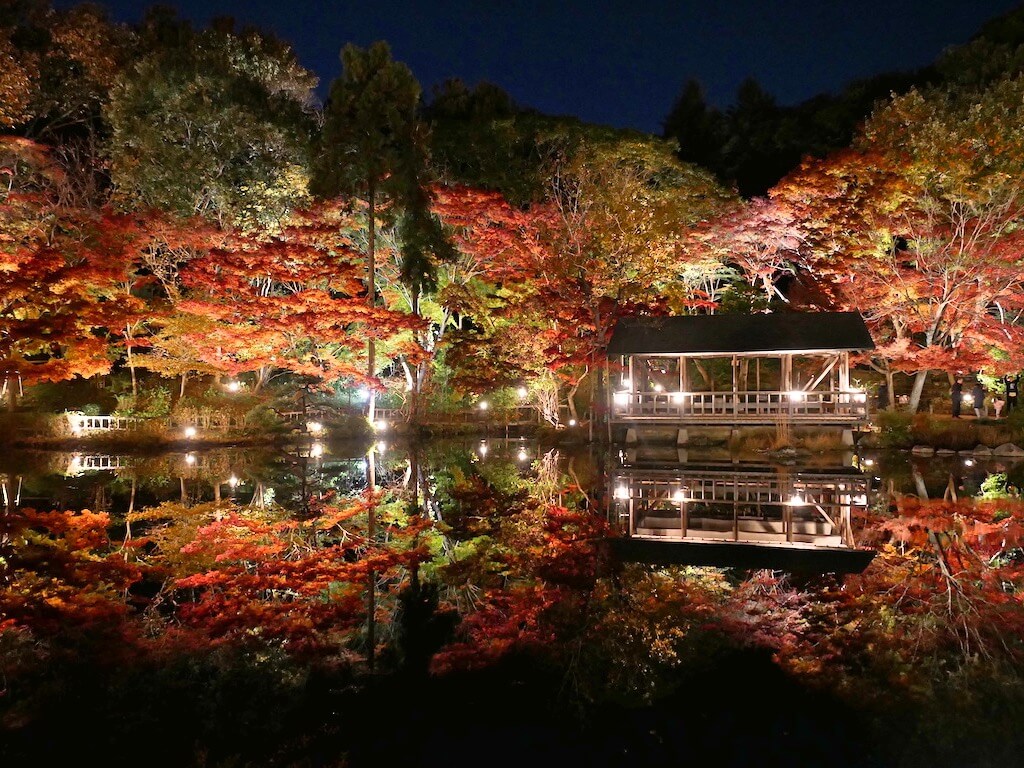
{"x": 291, "y": 303}
{"x": 918, "y": 226}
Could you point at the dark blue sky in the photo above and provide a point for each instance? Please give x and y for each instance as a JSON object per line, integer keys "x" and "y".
{"x": 616, "y": 62}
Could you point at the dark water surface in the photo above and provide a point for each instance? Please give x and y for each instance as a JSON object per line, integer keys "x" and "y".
{"x": 521, "y": 638}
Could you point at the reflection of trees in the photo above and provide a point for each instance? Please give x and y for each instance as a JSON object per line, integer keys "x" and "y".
{"x": 514, "y": 553}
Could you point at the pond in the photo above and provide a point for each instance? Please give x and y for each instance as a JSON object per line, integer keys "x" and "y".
{"x": 624, "y": 606}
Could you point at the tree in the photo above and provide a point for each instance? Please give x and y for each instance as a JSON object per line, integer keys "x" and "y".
{"x": 919, "y": 225}
{"x": 697, "y": 128}
{"x": 214, "y": 124}
{"x": 373, "y": 147}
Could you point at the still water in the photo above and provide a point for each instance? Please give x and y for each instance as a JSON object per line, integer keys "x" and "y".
{"x": 644, "y": 595}
{"x": 603, "y": 479}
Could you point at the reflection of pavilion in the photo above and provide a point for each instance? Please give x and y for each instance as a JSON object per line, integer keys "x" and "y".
{"x": 753, "y": 515}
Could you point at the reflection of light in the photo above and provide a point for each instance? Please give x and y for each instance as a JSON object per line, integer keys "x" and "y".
{"x": 483, "y": 447}
{"x": 316, "y": 450}
{"x": 234, "y": 386}
{"x": 380, "y": 425}
{"x": 658, "y": 388}
{"x": 522, "y": 393}
{"x": 190, "y": 432}
{"x": 572, "y": 422}
{"x": 678, "y": 397}
{"x": 621, "y": 492}
{"x": 523, "y": 455}
{"x": 621, "y": 398}
{"x": 797, "y": 500}
{"x": 314, "y": 427}
{"x": 627, "y": 383}
{"x": 190, "y": 458}
{"x": 968, "y": 462}
{"x": 796, "y": 395}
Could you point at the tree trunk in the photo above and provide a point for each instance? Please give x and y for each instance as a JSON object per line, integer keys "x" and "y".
{"x": 915, "y": 393}
{"x": 181, "y": 390}
{"x": 131, "y": 366}
{"x": 371, "y": 293}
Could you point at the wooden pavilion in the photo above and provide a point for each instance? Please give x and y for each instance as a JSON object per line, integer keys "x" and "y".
{"x": 736, "y": 370}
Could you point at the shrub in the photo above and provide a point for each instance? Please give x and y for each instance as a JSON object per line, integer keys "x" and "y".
{"x": 894, "y": 429}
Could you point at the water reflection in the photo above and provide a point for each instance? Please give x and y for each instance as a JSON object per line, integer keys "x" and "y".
{"x": 675, "y": 507}
{"x": 768, "y": 513}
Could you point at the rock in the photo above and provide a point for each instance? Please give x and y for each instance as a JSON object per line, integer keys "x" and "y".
{"x": 922, "y": 450}
{"x": 982, "y": 450}
{"x": 945, "y": 452}
{"x": 1007, "y": 449}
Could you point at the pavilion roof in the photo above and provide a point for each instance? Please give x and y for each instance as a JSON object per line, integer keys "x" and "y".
{"x": 777, "y": 332}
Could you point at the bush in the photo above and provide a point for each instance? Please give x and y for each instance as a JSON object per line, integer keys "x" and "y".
{"x": 894, "y": 429}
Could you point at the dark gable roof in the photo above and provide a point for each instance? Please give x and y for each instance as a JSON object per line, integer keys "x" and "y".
{"x": 709, "y": 334}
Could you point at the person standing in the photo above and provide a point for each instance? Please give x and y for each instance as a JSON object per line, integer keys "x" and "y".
{"x": 956, "y": 394}
{"x": 978, "y": 394}
{"x": 1010, "y": 385}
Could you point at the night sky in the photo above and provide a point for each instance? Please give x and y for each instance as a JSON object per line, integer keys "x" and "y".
{"x": 616, "y": 62}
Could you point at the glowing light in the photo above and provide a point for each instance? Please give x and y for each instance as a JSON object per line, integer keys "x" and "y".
{"x": 190, "y": 458}
{"x": 621, "y": 492}
{"x": 869, "y": 462}
{"x": 860, "y": 397}
{"x": 522, "y": 392}
{"x": 483, "y": 447}
{"x": 190, "y": 432}
{"x": 968, "y": 399}
{"x": 658, "y": 388}
{"x": 380, "y": 425}
{"x": 314, "y": 427}
{"x": 522, "y": 455}
{"x": 797, "y": 395}
{"x": 572, "y": 422}
{"x": 363, "y": 394}
{"x": 679, "y": 495}
{"x": 233, "y": 481}
{"x": 621, "y": 398}
{"x": 627, "y": 383}
{"x": 968, "y": 462}
{"x": 484, "y": 405}
{"x": 234, "y": 386}
{"x": 860, "y": 500}
{"x": 316, "y": 450}
{"x": 678, "y": 397}
{"x": 797, "y": 500}
{"x": 381, "y": 446}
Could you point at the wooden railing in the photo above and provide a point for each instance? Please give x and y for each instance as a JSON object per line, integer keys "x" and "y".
{"x": 88, "y": 425}
{"x": 739, "y": 407}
